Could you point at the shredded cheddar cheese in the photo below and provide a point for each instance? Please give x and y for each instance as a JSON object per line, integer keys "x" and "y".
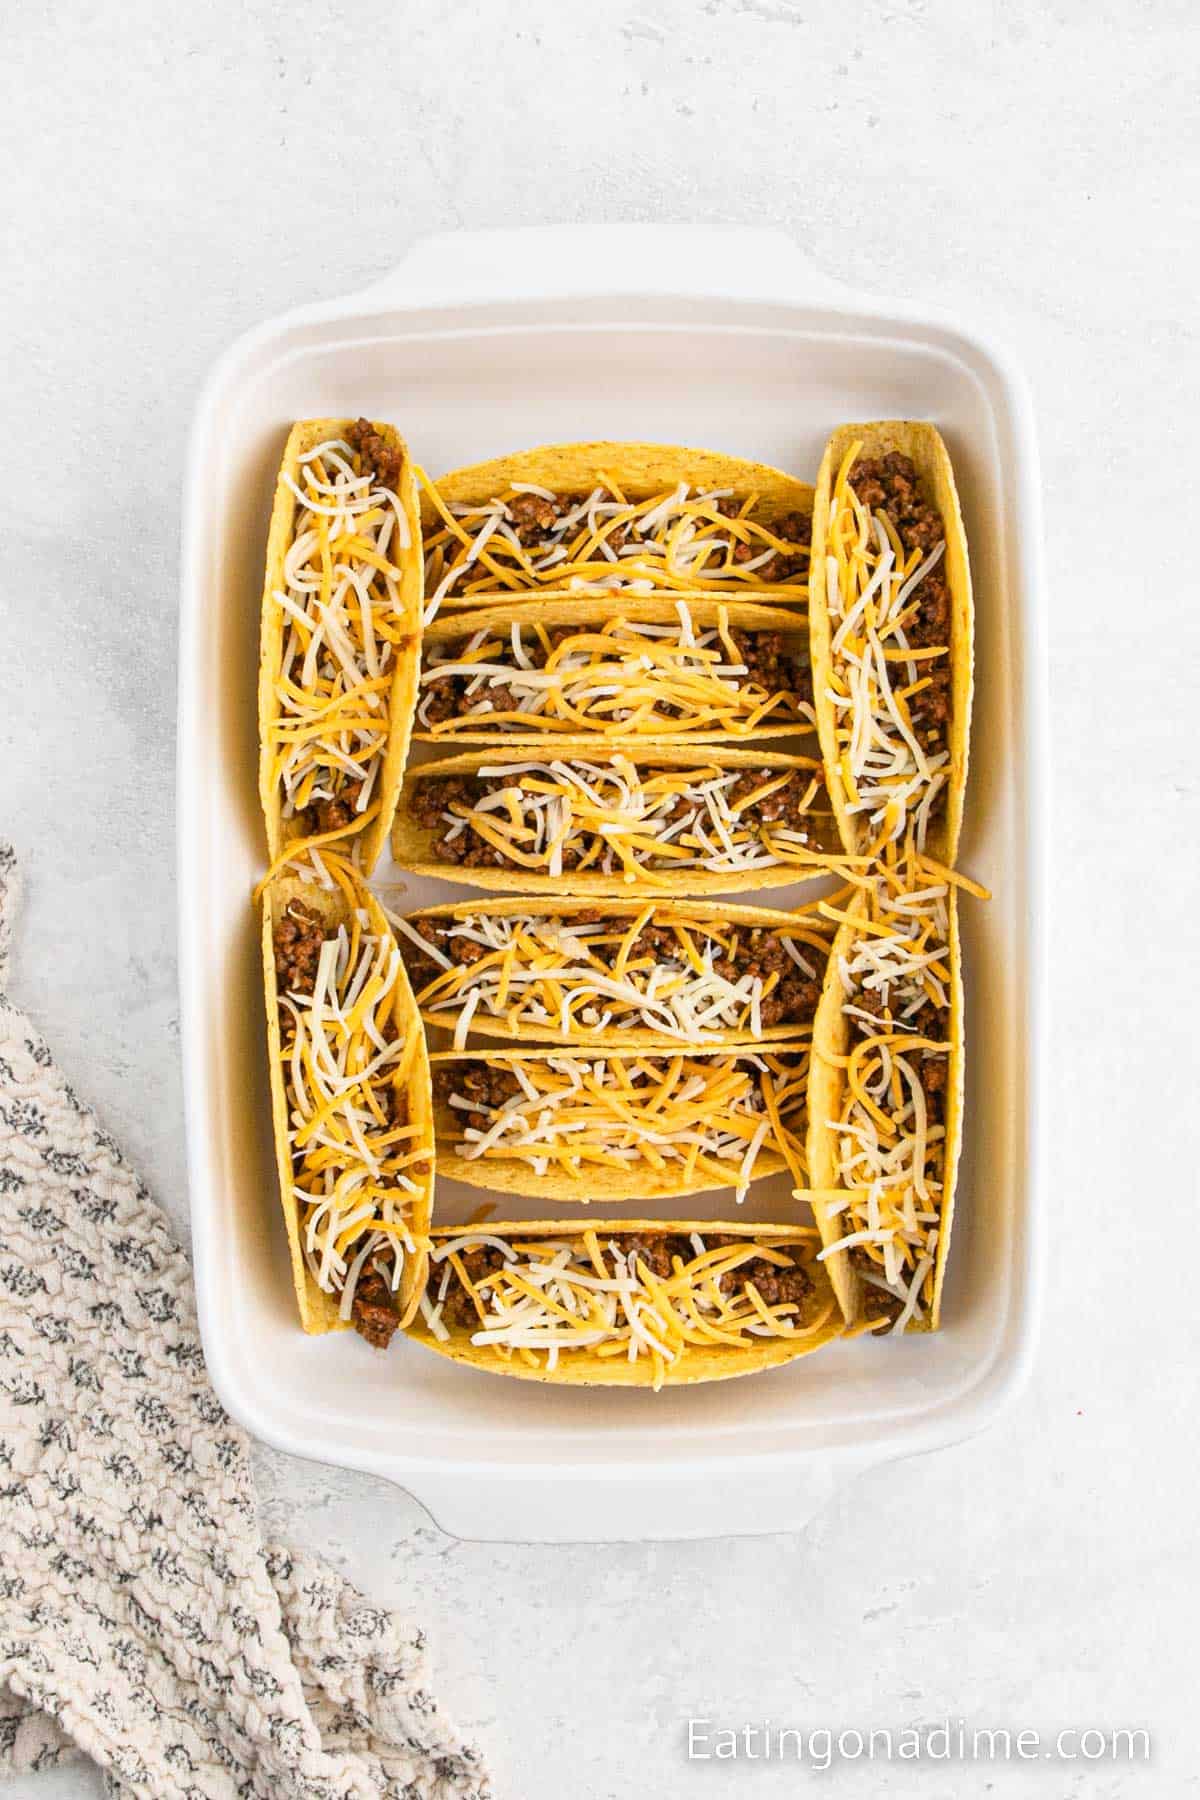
{"x": 675, "y": 541}
{"x": 559, "y": 1295}
{"x": 650, "y": 823}
{"x": 896, "y": 983}
{"x": 343, "y": 623}
{"x": 572, "y": 977}
{"x": 356, "y": 1167}
{"x": 699, "y": 1117}
{"x": 616, "y": 677}
{"x": 888, "y": 776}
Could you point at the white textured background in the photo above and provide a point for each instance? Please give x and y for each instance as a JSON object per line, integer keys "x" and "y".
{"x": 173, "y": 174}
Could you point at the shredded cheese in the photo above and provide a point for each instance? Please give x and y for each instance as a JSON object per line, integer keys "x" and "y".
{"x": 613, "y": 676}
{"x": 677, "y": 541}
{"x": 888, "y": 775}
{"x": 343, "y": 624}
{"x": 896, "y": 984}
{"x": 694, "y": 979}
{"x": 643, "y": 820}
{"x": 621, "y": 1294}
{"x": 356, "y": 1166}
{"x": 682, "y": 1118}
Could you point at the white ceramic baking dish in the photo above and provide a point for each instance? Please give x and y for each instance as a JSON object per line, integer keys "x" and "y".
{"x": 479, "y": 344}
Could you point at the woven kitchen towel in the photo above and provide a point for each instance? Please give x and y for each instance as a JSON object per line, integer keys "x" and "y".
{"x": 142, "y": 1618}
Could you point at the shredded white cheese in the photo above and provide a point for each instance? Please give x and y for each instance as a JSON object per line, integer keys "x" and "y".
{"x": 601, "y": 543}
{"x": 698, "y": 1120}
{"x": 563, "y": 975}
{"x": 895, "y": 980}
{"x": 611, "y": 676}
{"x": 355, "y": 1173}
{"x": 343, "y": 618}
{"x": 649, "y": 1297}
{"x": 888, "y": 777}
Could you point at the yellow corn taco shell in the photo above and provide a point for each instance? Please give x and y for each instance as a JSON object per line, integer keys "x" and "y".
{"x": 318, "y": 1309}
{"x": 826, "y": 1082}
{"x": 819, "y": 1324}
{"x": 806, "y": 927}
{"x": 639, "y": 471}
{"x": 826, "y": 1089}
{"x": 597, "y": 611}
{"x": 402, "y": 695}
{"x": 955, "y": 1094}
{"x": 413, "y": 843}
{"x": 923, "y": 444}
{"x": 603, "y": 1181}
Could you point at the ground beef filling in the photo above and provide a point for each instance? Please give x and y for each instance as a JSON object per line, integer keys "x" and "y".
{"x": 754, "y": 951}
{"x": 298, "y": 940}
{"x": 533, "y": 517}
{"x": 435, "y": 795}
{"x": 485, "y": 1088}
{"x": 795, "y": 528}
{"x": 335, "y": 813}
{"x": 777, "y": 1284}
{"x": 932, "y": 1066}
{"x": 376, "y": 456}
{"x": 770, "y": 665}
{"x": 877, "y": 1303}
{"x": 890, "y": 484}
{"x": 373, "y": 1313}
{"x": 458, "y": 1308}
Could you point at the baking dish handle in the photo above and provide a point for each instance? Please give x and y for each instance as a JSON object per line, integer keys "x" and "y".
{"x": 545, "y": 262}
{"x": 603, "y": 1506}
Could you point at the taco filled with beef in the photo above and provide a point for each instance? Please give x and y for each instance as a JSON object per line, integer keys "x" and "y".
{"x": 668, "y": 669}
{"x": 890, "y": 618}
{"x": 351, "y": 1103}
{"x": 618, "y": 819}
{"x": 614, "y": 519}
{"x": 618, "y": 1125}
{"x": 631, "y": 1303}
{"x": 885, "y": 1097}
{"x": 340, "y": 643}
{"x": 619, "y": 974}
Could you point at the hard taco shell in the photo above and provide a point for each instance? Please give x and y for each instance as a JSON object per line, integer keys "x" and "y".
{"x": 402, "y": 697}
{"x": 583, "y": 1368}
{"x": 923, "y": 444}
{"x": 639, "y": 470}
{"x": 319, "y": 1310}
{"x": 412, "y": 843}
{"x": 512, "y": 1175}
{"x": 826, "y": 1087}
{"x": 597, "y": 610}
{"x": 615, "y": 1037}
